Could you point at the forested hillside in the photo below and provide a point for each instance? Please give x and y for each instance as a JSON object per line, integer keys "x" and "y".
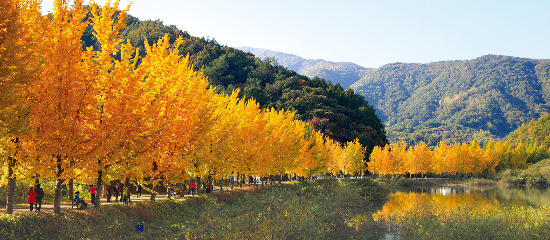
{"x": 340, "y": 114}
{"x": 536, "y": 131}
{"x": 344, "y": 73}
{"x": 487, "y": 97}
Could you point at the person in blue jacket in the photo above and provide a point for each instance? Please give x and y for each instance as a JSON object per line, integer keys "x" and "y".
{"x": 77, "y": 199}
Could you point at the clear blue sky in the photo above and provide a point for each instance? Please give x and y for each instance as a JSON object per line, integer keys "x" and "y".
{"x": 369, "y": 33}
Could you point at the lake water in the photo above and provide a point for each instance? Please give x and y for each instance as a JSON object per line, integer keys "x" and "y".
{"x": 460, "y": 198}
{"x": 443, "y": 200}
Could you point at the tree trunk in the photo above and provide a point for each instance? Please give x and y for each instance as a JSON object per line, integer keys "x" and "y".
{"x": 242, "y": 180}
{"x": 153, "y": 194}
{"x": 199, "y": 186}
{"x": 11, "y": 185}
{"x": 127, "y": 189}
{"x": 71, "y": 189}
{"x": 232, "y": 182}
{"x": 99, "y": 186}
{"x": 57, "y": 197}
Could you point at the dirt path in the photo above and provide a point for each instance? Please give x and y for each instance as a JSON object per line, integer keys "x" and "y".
{"x": 67, "y": 205}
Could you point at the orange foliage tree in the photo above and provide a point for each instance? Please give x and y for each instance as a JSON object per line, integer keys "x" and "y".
{"x": 20, "y": 42}
{"x": 56, "y": 124}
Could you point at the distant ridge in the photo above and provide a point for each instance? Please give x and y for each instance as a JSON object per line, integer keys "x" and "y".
{"x": 344, "y": 73}
{"x": 479, "y": 99}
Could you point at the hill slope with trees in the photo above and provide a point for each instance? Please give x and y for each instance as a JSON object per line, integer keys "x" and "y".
{"x": 534, "y": 132}
{"x": 480, "y": 99}
{"x": 344, "y": 73}
{"x": 339, "y": 113}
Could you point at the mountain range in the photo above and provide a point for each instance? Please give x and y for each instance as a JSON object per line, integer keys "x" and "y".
{"x": 344, "y": 73}
{"x": 479, "y": 99}
{"x": 452, "y": 101}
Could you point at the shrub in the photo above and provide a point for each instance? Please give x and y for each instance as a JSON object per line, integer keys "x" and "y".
{"x": 535, "y": 175}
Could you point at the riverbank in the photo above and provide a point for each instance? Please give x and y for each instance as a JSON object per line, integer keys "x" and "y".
{"x": 321, "y": 209}
{"x": 464, "y": 209}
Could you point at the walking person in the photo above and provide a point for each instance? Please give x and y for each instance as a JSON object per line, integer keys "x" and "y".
{"x": 139, "y": 188}
{"x": 127, "y": 194}
{"x": 39, "y": 195}
{"x": 192, "y": 186}
{"x": 93, "y": 188}
{"x": 115, "y": 191}
{"x": 183, "y": 187}
{"x": 109, "y": 192}
{"x": 31, "y": 198}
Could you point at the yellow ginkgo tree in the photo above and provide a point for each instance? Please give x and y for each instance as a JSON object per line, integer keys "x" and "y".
{"x": 56, "y": 121}
{"x": 21, "y": 26}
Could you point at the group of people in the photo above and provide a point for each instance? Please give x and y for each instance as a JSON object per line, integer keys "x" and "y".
{"x": 206, "y": 186}
{"x": 36, "y": 194}
{"x": 34, "y": 197}
{"x": 192, "y": 190}
{"x": 123, "y": 191}
{"x": 118, "y": 189}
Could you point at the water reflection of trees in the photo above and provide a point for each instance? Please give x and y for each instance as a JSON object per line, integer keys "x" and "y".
{"x": 445, "y": 199}
{"x": 445, "y": 213}
{"x": 401, "y": 205}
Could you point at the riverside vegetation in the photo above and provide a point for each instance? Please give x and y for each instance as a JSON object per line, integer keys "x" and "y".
{"x": 323, "y": 209}
{"x": 320, "y": 209}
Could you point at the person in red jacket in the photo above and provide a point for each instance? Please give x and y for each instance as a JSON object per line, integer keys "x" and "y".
{"x": 192, "y": 186}
{"x": 31, "y": 198}
{"x": 93, "y": 188}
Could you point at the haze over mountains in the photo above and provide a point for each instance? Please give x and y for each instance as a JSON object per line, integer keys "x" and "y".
{"x": 344, "y": 73}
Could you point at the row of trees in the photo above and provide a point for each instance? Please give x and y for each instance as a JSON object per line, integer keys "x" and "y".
{"x": 400, "y": 159}
{"x": 345, "y": 114}
{"x": 104, "y": 113}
